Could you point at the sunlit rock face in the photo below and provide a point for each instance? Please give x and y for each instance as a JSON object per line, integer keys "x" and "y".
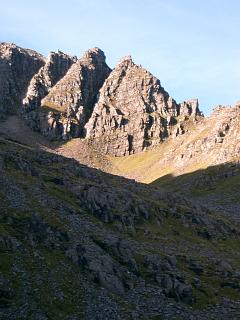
{"x": 69, "y": 104}
{"x": 56, "y": 66}
{"x": 134, "y": 111}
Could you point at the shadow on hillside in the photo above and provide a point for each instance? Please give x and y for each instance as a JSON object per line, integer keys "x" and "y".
{"x": 217, "y": 187}
{"x": 40, "y": 156}
{"x": 201, "y": 179}
{"x": 220, "y": 181}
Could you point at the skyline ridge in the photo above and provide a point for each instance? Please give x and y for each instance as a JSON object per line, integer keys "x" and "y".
{"x": 193, "y": 47}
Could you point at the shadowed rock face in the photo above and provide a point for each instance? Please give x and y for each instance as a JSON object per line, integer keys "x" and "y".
{"x": 17, "y": 67}
{"x": 134, "y": 111}
{"x": 55, "y": 68}
{"x": 72, "y": 99}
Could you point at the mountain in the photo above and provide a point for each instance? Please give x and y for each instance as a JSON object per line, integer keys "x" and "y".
{"x": 116, "y": 201}
{"x": 17, "y": 67}
{"x": 201, "y": 164}
{"x": 63, "y": 93}
{"x": 121, "y": 112}
{"x": 56, "y": 66}
{"x": 72, "y": 99}
{"x": 134, "y": 111}
{"x": 131, "y": 113}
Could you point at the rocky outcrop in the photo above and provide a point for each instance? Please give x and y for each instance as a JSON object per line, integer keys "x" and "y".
{"x": 17, "y": 67}
{"x": 189, "y": 108}
{"x": 131, "y": 113}
{"x": 224, "y": 144}
{"x": 70, "y": 102}
{"x": 134, "y": 111}
{"x": 216, "y": 139}
{"x": 56, "y": 66}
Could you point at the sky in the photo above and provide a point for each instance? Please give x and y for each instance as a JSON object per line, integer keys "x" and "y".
{"x": 192, "y": 46}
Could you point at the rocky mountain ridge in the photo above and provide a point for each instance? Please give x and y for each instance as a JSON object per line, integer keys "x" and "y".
{"x": 121, "y": 112}
{"x": 134, "y": 111}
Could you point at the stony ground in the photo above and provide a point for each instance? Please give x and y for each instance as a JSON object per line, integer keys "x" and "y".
{"x": 77, "y": 243}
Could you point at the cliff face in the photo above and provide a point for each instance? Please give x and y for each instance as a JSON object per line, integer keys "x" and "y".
{"x": 70, "y": 102}
{"x": 120, "y": 112}
{"x": 134, "y": 111}
{"x": 192, "y": 147}
{"x": 17, "y": 67}
{"x": 56, "y": 66}
{"x": 227, "y": 130}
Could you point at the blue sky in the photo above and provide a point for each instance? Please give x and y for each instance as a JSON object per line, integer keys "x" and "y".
{"x": 193, "y": 47}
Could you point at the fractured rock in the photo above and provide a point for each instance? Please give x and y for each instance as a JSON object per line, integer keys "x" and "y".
{"x": 70, "y": 102}
{"x": 133, "y": 111}
{"x": 17, "y": 67}
{"x": 56, "y": 66}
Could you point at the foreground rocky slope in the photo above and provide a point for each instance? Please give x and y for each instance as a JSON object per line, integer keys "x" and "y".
{"x": 17, "y": 67}
{"x": 77, "y": 243}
